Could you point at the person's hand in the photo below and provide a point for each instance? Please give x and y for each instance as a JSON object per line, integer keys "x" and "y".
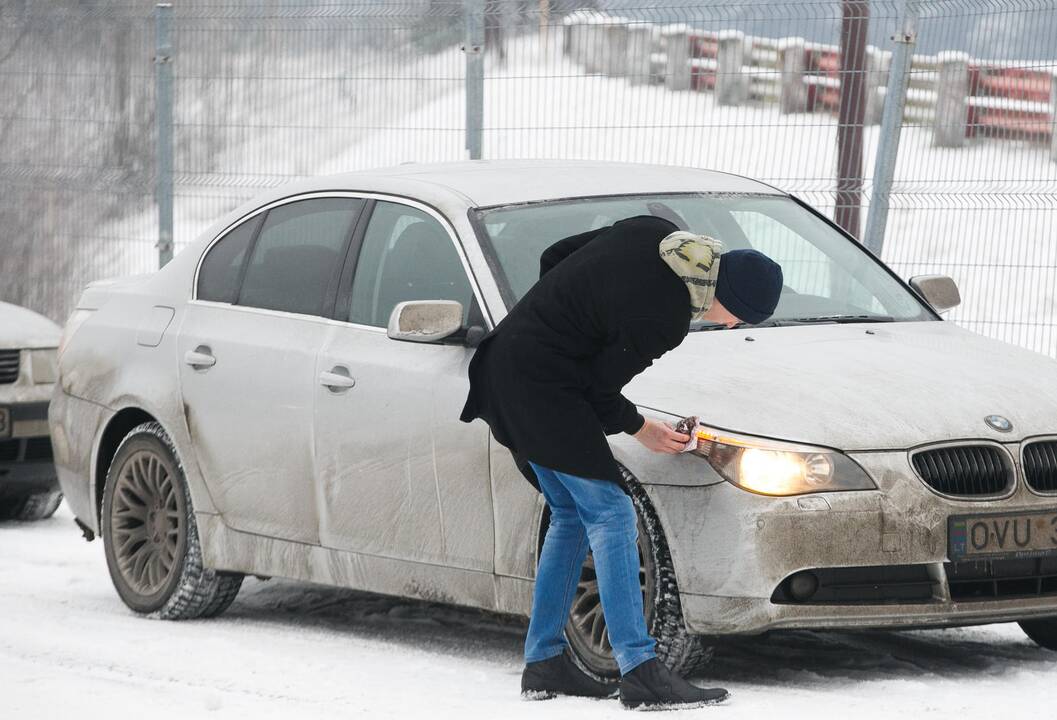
{"x": 660, "y": 438}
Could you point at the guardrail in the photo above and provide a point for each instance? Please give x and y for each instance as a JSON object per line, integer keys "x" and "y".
{"x": 961, "y": 97}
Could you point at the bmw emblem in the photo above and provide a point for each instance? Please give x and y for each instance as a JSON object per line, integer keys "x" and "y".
{"x": 999, "y": 423}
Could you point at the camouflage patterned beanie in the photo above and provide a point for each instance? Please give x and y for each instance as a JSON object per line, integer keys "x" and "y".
{"x": 695, "y": 259}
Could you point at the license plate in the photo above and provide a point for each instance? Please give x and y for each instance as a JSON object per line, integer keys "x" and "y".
{"x": 5, "y": 423}
{"x": 1011, "y": 535}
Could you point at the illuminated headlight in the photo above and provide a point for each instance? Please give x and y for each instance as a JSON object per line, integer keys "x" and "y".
{"x": 43, "y": 365}
{"x": 772, "y": 467}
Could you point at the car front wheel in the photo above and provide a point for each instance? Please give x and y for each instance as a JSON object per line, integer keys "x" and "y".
{"x": 1043, "y": 632}
{"x": 150, "y": 536}
{"x": 586, "y": 627}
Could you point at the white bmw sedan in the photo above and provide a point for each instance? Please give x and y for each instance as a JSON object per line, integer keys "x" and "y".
{"x": 283, "y": 399}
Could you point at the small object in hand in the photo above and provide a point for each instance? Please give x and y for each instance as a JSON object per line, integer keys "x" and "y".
{"x": 687, "y": 426}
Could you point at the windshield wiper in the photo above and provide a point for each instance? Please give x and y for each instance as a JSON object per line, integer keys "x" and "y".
{"x": 835, "y": 319}
{"x": 718, "y": 326}
{"x": 789, "y": 322}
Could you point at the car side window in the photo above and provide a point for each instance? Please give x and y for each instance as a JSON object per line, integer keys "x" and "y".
{"x": 297, "y": 254}
{"x": 218, "y": 277}
{"x": 406, "y": 255}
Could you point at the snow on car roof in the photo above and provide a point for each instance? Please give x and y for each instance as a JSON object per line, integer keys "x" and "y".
{"x": 498, "y": 182}
{"x": 22, "y": 328}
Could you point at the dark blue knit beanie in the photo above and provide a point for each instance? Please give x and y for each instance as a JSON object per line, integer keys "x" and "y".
{"x": 749, "y": 284}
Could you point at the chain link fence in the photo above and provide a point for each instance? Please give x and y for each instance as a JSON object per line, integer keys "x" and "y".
{"x": 798, "y": 94}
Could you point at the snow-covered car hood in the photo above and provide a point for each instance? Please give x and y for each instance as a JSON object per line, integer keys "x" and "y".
{"x": 22, "y": 328}
{"x": 854, "y": 387}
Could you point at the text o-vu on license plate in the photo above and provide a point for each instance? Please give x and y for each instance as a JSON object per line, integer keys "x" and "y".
{"x": 5, "y": 422}
{"x": 1012, "y": 535}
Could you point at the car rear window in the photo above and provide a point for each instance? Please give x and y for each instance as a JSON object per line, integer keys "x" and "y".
{"x": 218, "y": 278}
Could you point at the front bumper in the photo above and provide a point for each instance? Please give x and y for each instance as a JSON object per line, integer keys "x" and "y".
{"x": 708, "y": 615}
{"x": 26, "y": 464}
{"x": 732, "y": 550}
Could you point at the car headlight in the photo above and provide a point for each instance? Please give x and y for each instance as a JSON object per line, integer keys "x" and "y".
{"x": 773, "y": 467}
{"x": 43, "y": 365}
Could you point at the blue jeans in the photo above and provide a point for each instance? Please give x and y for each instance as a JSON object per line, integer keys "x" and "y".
{"x": 586, "y": 511}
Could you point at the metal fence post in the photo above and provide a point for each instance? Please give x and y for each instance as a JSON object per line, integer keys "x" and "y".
{"x": 163, "y": 184}
{"x": 851, "y": 113}
{"x": 891, "y": 126}
{"x": 473, "y": 45}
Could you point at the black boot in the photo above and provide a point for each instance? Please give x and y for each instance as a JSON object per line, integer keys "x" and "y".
{"x": 559, "y": 676}
{"x": 652, "y": 686}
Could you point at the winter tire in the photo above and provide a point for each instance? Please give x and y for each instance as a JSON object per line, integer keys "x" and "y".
{"x": 30, "y": 508}
{"x": 1043, "y": 632}
{"x": 588, "y": 639}
{"x": 150, "y": 536}
{"x": 38, "y": 506}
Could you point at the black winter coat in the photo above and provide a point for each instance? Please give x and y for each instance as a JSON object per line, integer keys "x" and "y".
{"x": 547, "y": 378}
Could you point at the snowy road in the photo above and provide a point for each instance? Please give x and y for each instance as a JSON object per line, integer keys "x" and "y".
{"x": 69, "y": 648}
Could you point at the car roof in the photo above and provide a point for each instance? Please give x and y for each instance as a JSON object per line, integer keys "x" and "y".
{"x": 452, "y": 186}
{"x": 483, "y": 183}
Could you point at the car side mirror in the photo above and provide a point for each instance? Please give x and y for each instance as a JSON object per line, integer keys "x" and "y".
{"x": 938, "y": 290}
{"x": 424, "y": 320}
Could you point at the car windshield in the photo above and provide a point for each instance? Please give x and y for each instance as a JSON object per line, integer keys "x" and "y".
{"x": 827, "y": 277}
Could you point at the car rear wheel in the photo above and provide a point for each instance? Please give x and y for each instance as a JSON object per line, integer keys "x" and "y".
{"x": 586, "y": 629}
{"x": 150, "y": 536}
{"x": 29, "y": 508}
{"x": 1043, "y": 632}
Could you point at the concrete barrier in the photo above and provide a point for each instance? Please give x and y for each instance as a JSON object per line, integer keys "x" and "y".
{"x": 615, "y": 49}
{"x": 950, "y": 125}
{"x": 960, "y": 97}
{"x": 639, "y": 52}
{"x": 677, "y": 65}
{"x": 732, "y": 84}
{"x": 792, "y": 97}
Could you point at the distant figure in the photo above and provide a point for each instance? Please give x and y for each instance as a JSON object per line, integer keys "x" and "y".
{"x": 547, "y": 380}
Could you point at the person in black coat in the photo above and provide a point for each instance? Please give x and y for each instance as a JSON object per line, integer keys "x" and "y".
{"x": 547, "y": 380}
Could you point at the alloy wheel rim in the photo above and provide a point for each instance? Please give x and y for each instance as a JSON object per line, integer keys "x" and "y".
{"x": 147, "y": 522}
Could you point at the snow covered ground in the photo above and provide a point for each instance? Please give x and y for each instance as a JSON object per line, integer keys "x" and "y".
{"x": 69, "y": 648}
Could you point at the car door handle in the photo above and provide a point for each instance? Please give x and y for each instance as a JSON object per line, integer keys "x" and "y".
{"x": 337, "y": 379}
{"x": 200, "y": 358}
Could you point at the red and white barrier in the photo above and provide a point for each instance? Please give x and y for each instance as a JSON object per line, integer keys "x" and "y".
{"x": 961, "y": 97}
